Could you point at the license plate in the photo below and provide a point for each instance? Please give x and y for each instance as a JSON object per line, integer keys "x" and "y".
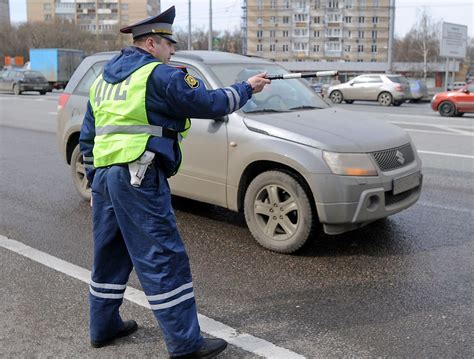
{"x": 406, "y": 183}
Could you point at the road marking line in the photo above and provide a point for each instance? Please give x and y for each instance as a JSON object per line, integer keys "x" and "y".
{"x": 445, "y": 154}
{"x": 427, "y": 124}
{"x": 437, "y": 132}
{"x": 52, "y": 113}
{"x": 449, "y": 208}
{"x": 208, "y": 325}
{"x": 424, "y": 117}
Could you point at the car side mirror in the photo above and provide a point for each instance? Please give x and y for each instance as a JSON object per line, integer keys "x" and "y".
{"x": 351, "y": 83}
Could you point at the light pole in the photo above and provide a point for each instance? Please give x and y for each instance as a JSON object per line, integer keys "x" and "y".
{"x": 209, "y": 46}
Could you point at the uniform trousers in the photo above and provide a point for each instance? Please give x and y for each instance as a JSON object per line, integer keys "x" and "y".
{"x": 136, "y": 228}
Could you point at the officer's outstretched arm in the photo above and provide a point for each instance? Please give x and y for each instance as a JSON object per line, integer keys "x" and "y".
{"x": 189, "y": 98}
{"x": 86, "y": 142}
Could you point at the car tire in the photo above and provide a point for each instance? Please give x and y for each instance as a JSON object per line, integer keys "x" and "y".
{"x": 446, "y": 109}
{"x": 278, "y": 211}
{"x": 397, "y": 103}
{"x": 349, "y": 101}
{"x": 42, "y": 92}
{"x": 385, "y": 99}
{"x": 78, "y": 173}
{"x": 336, "y": 96}
{"x": 459, "y": 114}
{"x": 16, "y": 89}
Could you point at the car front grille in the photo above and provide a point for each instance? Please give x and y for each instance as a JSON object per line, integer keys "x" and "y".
{"x": 394, "y": 158}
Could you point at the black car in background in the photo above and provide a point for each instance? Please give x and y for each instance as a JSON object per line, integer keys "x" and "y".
{"x": 21, "y": 80}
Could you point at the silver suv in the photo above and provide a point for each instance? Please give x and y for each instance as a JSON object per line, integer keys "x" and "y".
{"x": 287, "y": 159}
{"x": 386, "y": 89}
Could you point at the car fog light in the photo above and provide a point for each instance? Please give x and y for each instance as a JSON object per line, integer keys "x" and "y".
{"x": 350, "y": 164}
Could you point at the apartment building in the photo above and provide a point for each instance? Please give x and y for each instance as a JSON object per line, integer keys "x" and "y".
{"x": 97, "y": 16}
{"x": 4, "y": 12}
{"x": 317, "y": 30}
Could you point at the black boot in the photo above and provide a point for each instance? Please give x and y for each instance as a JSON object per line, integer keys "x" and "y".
{"x": 209, "y": 349}
{"x": 129, "y": 327}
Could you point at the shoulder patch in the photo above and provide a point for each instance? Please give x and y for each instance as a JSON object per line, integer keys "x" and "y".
{"x": 191, "y": 81}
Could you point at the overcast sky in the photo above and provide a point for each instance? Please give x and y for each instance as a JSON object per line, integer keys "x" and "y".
{"x": 227, "y": 13}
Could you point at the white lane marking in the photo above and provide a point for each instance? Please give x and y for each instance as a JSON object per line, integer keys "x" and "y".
{"x": 437, "y": 132}
{"x": 425, "y": 117}
{"x": 433, "y": 125}
{"x": 210, "y": 326}
{"x": 448, "y": 208}
{"x": 446, "y": 154}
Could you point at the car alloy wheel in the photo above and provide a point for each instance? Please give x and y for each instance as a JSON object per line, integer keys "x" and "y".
{"x": 278, "y": 211}
{"x": 446, "y": 109}
{"x": 336, "y": 96}
{"x": 16, "y": 89}
{"x": 385, "y": 99}
{"x": 79, "y": 174}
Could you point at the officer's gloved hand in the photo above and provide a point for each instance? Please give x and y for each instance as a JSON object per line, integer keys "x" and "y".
{"x": 258, "y": 82}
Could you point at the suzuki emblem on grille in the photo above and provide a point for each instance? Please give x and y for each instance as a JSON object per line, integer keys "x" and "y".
{"x": 400, "y": 157}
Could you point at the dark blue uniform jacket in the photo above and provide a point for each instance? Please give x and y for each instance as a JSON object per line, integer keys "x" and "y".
{"x": 169, "y": 101}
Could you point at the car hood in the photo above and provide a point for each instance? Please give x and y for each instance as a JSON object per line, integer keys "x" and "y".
{"x": 330, "y": 129}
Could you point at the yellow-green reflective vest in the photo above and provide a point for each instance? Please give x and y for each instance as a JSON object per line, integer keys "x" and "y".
{"x": 121, "y": 121}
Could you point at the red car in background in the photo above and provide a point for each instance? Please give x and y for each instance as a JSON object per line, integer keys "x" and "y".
{"x": 454, "y": 103}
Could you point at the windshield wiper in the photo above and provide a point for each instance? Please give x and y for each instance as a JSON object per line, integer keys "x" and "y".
{"x": 305, "y": 107}
{"x": 264, "y": 110}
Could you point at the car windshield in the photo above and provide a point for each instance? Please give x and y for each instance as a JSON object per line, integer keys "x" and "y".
{"x": 33, "y": 74}
{"x": 279, "y": 96}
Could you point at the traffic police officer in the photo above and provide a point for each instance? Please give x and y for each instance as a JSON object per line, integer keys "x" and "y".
{"x": 138, "y": 112}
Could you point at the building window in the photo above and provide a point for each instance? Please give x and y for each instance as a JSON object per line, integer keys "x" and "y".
{"x": 374, "y": 48}
{"x": 348, "y": 4}
{"x": 316, "y": 48}
{"x": 301, "y": 17}
{"x": 273, "y": 19}
{"x": 260, "y": 5}
{"x": 317, "y": 4}
{"x": 317, "y": 19}
{"x": 349, "y": 34}
{"x": 361, "y": 19}
{"x": 286, "y": 4}
{"x": 375, "y": 19}
{"x": 347, "y": 48}
{"x": 333, "y": 4}
{"x": 333, "y": 32}
{"x": 374, "y": 34}
{"x": 285, "y": 48}
{"x": 47, "y": 17}
{"x": 46, "y": 6}
{"x": 286, "y": 19}
{"x": 360, "y": 48}
{"x": 373, "y": 60}
{"x": 333, "y": 17}
{"x": 272, "y": 33}
{"x": 376, "y": 4}
{"x": 361, "y": 34}
{"x": 124, "y": 6}
{"x": 332, "y": 46}
{"x": 272, "y": 4}
{"x": 300, "y": 4}
{"x": 286, "y": 33}
{"x": 360, "y": 60}
{"x": 259, "y": 47}
{"x": 362, "y": 4}
{"x": 348, "y": 19}
{"x": 317, "y": 33}
{"x": 259, "y": 21}
{"x": 272, "y": 47}
{"x": 259, "y": 33}
{"x": 300, "y": 32}
{"x": 300, "y": 46}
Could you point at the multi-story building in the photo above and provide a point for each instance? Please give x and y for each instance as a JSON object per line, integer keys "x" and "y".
{"x": 97, "y": 16}
{"x": 317, "y": 30}
{"x": 4, "y": 12}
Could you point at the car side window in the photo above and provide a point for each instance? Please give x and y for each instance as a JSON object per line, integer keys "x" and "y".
{"x": 361, "y": 80}
{"x": 88, "y": 79}
{"x": 374, "y": 79}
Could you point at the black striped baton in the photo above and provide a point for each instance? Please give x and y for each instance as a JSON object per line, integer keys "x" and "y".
{"x": 301, "y": 75}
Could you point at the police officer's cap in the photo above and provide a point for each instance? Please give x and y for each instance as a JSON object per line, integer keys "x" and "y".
{"x": 159, "y": 25}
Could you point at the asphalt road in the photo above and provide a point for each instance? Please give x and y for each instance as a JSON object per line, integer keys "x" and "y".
{"x": 400, "y": 287}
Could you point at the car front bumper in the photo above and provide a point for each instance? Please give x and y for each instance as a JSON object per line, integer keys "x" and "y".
{"x": 345, "y": 203}
{"x": 34, "y": 87}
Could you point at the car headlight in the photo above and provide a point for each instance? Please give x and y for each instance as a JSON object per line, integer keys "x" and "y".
{"x": 350, "y": 164}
